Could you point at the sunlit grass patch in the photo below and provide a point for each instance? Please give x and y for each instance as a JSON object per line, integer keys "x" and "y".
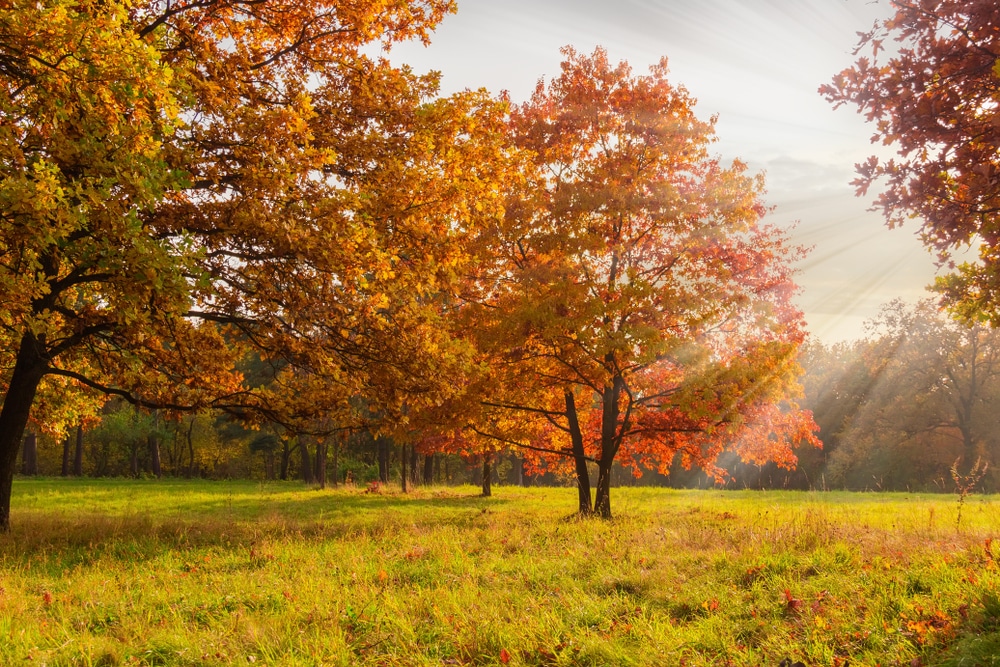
{"x": 203, "y": 573}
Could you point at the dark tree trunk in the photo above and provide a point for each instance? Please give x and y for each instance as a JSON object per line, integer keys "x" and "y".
{"x": 286, "y": 455}
{"x": 447, "y": 475}
{"x": 487, "y": 476}
{"x": 29, "y": 457}
{"x": 321, "y": 463}
{"x": 402, "y": 466}
{"x": 336, "y": 464}
{"x": 133, "y": 461}
{"x": 305, "y": 461}
{"x": 602, "y": 500}
{"x": 153, "y": 443}
{"x": 67, "y": 444}
{"x": 610, "y": 441}
{"x": 28, "y": 371}
{"x": 190, "y": 444}
{"x": 428, "y": 469}
{"x": 383, "y": 459}
{"x": 579, "y": 457}
{"x": 517, "y": 464}
{"x": 78, "y": 454}
{"x": 269, "y": 465}
{"x": 172, "y": 453}
{"x": 414, "y": 472}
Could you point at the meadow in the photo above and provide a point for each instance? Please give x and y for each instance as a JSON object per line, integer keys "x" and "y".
{"x": 236, "y": 573}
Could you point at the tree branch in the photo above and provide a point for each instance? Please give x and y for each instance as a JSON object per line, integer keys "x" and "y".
{"x": 514, "y": 443}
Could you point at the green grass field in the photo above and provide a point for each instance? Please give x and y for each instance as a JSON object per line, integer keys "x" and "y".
{"x": 233, "y": 573}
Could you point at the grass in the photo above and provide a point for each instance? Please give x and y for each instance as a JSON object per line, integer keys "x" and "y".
{"x": 231, "y": 573}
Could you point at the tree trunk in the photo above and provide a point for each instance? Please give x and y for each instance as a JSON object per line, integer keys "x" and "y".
{"x": 286, "y": 455}
{"x": 64, "y": 472}
{"x": 602, "y": 500}
{"x": 321, "y": 463}
{"x": 153, "y": 443}
{"x": 305, "y": 461}
{"x": 414, "y": 473}
{"x": 336, "y": 464}
{"x": 609, "y": 445}
{"x": 172, "y": 453}
{"x": 579, "y": 456}
{"x": 133, "y": 461}
{"x": 269, "y": 465}
{"x": 402, "y": 466}
{"x": 428, "y": 469}
{"x": 190, "y": 443}
{"x": 28, "y": 371}
{"x": 78, "y": 454}
{"x": 29, "y": 457}
{"x": 383, "y": 459}
{"x": 487, "y": 476}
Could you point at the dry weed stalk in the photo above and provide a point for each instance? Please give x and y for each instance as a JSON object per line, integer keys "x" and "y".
{"x": 965, "y": 483}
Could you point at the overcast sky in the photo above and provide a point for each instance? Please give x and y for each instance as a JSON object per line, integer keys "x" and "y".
{"x": 755, "y": 63}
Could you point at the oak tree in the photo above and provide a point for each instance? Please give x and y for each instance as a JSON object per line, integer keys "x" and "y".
{"x": 182, "y": 181}
{"x": 635, "y": 307}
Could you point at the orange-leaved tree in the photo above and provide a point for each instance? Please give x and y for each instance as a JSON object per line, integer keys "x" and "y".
{"x": 636, "y": 307}
{"x": 183, "y": 182}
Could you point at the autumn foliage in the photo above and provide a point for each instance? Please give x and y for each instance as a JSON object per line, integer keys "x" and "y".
{"x": 927, "y": 79}
{"x": 636, "y": 307}
{"x": 189, "y": 189}
{"x": 187, "y": 183}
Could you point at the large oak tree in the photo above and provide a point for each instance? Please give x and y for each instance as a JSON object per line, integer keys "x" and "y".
{"x": 182, "y": 181}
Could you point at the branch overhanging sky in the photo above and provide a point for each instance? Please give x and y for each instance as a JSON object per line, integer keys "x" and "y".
{"x": 755, "y": 63}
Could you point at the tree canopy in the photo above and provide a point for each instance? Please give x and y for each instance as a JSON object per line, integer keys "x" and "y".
{"x": 636, "y": 305}
{"x": 184, "y": 181}
{"x": 928, "y": 81}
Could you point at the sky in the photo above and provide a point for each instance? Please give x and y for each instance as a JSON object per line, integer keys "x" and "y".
{"x": 758, "y": 65}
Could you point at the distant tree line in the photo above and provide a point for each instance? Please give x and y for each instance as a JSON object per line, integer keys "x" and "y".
{"x": 896, "y": 409}
{"x": 124, "y": 441}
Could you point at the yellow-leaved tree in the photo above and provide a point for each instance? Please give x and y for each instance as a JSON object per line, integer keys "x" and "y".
{"x": 184, "y": 181}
